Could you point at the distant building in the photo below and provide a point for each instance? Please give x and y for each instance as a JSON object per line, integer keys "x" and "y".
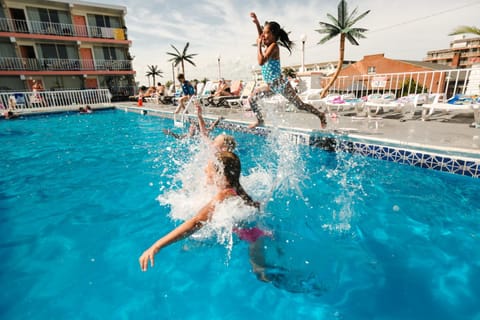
{"x": 463, "y": 53}
{"x": 64, "y": 45}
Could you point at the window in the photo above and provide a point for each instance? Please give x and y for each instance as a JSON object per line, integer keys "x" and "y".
{"x": 371, "y": 70}
{"x": 109, "y": 53}
{"x": 102, "y": 21}
{"x": 48, "y": 15}
{"x": 54, "y": 51}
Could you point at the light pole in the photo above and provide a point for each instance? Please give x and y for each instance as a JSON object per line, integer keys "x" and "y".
{"x": 219, "y": 73}
{"x": 303, "y": 38}
{"x": 173, "y": 77}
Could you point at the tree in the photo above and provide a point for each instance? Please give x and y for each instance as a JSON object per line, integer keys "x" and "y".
{"x": 152, "y": 72}
{"x": 289, "y": 72}
{"x": 180, "y": 58}
{"x": 410, "y": 86}
{"x": 465, "y": 29}
{"x": 343, "y": 26}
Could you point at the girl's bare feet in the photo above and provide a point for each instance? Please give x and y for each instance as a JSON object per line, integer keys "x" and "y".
{"x": 256, "y": 124}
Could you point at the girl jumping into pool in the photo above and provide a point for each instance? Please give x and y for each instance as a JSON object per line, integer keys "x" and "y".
{"x": 225, "y": 174}
{"x": 268, "y": 56}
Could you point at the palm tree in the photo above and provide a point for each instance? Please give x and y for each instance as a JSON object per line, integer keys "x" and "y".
{"x": 343, "y": 26}
{"x": 152, "y": 72}
{"x": 181, "y": 57}
{"x": 465, "y": 29}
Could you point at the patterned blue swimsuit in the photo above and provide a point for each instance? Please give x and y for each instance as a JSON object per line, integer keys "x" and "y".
{"x": 272, "y": 74}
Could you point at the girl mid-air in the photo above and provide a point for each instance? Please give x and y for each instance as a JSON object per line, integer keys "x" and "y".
{"x": 268, "y": 55}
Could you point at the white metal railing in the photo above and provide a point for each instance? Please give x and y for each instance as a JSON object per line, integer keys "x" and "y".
{"x": 448, "y": 82}
{"x": 60, "y": 29}
{"x": 20, "y": 64}
{"x": 43, "y": 100}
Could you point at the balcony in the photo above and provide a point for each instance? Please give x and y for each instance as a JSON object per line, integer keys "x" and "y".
{"x": 24, "y": 64}
{"x": 60, "y": 29}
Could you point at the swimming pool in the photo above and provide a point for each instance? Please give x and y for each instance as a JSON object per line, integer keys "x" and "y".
{"x": 354, "y": 237}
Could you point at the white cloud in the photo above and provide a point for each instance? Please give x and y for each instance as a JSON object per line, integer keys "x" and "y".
{"x": 404, "y": 29}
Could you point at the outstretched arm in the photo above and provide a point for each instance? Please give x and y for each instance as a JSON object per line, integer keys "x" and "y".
{"x": 173, "y": 134}
{"x": 179, "y": 233}
{"x": 257, "y": 24}
{"x": 182, "y": 231}
{"x": 201, "y": 121}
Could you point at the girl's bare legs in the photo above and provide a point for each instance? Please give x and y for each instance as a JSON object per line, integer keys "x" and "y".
{"x": 292, "y": 97}
{"x": 253, "y": 101}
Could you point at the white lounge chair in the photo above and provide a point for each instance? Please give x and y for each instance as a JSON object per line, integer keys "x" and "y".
{"x": 451, "y": 107}
{"x": 342, "y": 103}
{"x": 203, "y": 95}
{"x": 388, "y": 103}
{"x": 247, "y": 90}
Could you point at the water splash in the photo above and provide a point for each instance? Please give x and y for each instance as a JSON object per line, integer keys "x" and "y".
{"x": 347, "y": 174}
{"x": 190, "y": 192}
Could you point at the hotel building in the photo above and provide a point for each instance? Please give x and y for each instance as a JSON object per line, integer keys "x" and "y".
{"x": 463, "y": 53}
{"x": 65, "y": 45}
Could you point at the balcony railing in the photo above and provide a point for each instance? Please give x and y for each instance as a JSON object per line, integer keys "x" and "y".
{"x": 24, "y": 64}
{"x": 24, "y": 102}
{"x": 60, "y": 29}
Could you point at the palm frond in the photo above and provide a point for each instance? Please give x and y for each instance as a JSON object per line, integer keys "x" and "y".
{"x": 189, "y": 61}
{"x": 332, "y": 19}
{"x": 342, "y": 11}
{"x": 326, "y": 38}
{"x": 176, "y": 50}
{"x": 354, "y": 20}
{"x": 465, "y": 29}
{"x": 351, "y": 39}
{"x": 186, "y": 48}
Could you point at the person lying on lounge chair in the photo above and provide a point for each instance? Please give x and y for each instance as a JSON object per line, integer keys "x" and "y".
{"x": 223, "y": 89}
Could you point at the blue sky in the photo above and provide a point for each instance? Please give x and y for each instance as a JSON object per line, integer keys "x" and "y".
{"x": 401, "y": 29}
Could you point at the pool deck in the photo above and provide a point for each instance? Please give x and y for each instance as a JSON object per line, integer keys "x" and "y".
{"x": 454, "y": 136}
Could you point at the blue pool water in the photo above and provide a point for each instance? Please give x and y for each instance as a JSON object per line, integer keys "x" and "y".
{"x": 354, "y": 238}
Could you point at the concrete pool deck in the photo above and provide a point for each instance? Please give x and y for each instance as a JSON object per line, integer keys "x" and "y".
{"x": 452, "y": 137}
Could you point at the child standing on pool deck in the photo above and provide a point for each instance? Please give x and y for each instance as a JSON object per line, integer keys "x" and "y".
{"x": 268, "y": 56}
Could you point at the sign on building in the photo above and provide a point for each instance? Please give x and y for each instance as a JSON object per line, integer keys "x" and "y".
{"x": 378, "y": 82}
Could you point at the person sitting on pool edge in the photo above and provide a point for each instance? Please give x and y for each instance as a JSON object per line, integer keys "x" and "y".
{"x": 225, "y": 174}
{"x": 187, "y": 92}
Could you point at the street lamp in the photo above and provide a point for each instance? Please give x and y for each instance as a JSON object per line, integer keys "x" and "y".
{"x": 173, "y": 76}
{"x": 303, "y": 38}
{"x": 219, "y": 73}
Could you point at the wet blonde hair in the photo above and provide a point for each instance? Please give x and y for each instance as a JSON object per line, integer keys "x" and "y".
{"x": 228, "y": 143}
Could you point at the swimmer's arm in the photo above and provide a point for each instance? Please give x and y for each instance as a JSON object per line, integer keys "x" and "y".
{"x": 182, "y": 231}
{"x": 201, "y": 121}
{"x": 173, "y": 134}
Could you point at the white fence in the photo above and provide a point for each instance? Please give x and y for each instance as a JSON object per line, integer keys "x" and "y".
{"x": 30, "y": 102}
{"x": 448, "y": 82}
